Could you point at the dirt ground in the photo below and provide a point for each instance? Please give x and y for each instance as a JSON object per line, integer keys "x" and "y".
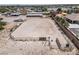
{"x": 9, "y": 46}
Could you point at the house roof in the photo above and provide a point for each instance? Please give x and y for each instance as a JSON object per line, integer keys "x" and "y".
{"x": 73, "y": 26}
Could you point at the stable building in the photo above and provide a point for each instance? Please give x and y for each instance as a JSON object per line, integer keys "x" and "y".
{"x": 34, "y": 14}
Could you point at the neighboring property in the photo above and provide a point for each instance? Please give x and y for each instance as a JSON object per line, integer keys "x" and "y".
{"x": 74, "y": 28}
{"x": 73, "y": 18}
{"x": 37, "y": 14}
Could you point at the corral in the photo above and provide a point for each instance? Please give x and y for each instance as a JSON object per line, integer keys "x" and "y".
{"x": 39, "y": 29}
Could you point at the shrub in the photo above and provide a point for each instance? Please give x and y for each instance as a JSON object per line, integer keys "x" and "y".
{"x": 2, "y": 24}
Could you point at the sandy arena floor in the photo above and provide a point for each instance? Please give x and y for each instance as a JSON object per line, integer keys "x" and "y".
{"x": 9, "y": 46}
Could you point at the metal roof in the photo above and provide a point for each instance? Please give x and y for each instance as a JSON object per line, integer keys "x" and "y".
{"x": 73, "y": 26}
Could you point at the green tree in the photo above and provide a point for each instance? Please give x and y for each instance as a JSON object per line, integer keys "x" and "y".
{"x": 62, "y": 21}
{"x": 52, "y": 13}
{"x": 44, "y": 9}
{"x": 1, "y": 28}
{"x": 2, "y": 24}
{"x": 59, "y": 10}
{"x": 3, "y": 9}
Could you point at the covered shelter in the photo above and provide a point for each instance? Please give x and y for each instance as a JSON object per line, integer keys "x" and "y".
{"x": 34, "y": 14}
{"x": 74, "y": 28}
